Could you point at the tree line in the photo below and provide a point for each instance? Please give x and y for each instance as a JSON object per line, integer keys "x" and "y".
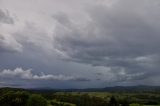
{"x": 19, "y": 97}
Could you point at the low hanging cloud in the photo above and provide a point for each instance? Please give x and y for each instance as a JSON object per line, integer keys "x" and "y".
{"x": 116, "y": 75}
{"x": 28, "y": 75}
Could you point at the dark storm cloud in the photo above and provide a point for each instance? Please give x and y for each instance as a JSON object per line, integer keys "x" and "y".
{"x": 124, "y": 35}
{"x": 116, "y": 39}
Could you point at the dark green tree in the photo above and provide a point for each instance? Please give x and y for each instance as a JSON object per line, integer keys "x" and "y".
{"x": 36, "y": 100}
{"x": 125, "y": 102}
{"x": 113, "y": 101}
{"x": 14, "y": 99}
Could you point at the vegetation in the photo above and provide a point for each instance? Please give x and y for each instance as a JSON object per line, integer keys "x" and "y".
{"x": 22, "y": 97}
{"x": 36, "y": 100}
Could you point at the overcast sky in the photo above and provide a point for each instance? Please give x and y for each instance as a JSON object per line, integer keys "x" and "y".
{"x": 79, "y": 43}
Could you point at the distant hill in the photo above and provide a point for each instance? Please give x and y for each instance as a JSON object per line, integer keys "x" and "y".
{"x": 132, "y": 88}
{"x": 106, "y": 89}
{"x": 118, "y": 89}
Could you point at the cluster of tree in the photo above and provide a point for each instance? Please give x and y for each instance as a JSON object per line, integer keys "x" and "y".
{"x": 86, "y": 100}
{"x": 21, "y": 98}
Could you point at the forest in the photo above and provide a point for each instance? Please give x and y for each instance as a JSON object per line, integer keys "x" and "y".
{"x": 32, "y": 97}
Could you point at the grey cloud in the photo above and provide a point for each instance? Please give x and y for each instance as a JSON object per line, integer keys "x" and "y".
{"x": 5, "y": 17}
{"x": 118, "y": 37}
{"x": 116, "y": 75}
{"x": 127, "y": 77}
{"x": 6, "y": 84}
{"x": 34, "y": 38}
{"x": 111, "y": 33}
{"x": 114, "y": 36}
{"x": 28, "y": 75}
{"x": 62, "y": 19}
{"x": 9, "y": 44}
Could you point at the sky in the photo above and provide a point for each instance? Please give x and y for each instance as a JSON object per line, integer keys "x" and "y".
{"x": 79, "y": 43}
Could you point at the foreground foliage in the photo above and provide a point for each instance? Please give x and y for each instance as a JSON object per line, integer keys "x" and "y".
{"x": 20, "y": 97}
